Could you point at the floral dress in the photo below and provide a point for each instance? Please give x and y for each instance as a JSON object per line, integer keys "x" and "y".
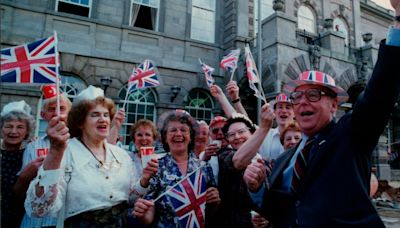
{"x": 167, "y": 175}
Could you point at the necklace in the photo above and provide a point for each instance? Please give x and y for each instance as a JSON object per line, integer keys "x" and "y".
{"x": 103, "y": 164}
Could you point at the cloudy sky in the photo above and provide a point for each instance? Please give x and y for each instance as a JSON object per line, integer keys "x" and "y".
{"x": 384, "y": 3}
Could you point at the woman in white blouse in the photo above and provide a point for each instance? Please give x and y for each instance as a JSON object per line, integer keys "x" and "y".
{"x": 85, "y": 180}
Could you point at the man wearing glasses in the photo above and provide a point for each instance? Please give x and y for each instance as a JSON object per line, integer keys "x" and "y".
{"x": 324, "y": 180}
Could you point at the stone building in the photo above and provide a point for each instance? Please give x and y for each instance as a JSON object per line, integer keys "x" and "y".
{"x": 101, "y": 41}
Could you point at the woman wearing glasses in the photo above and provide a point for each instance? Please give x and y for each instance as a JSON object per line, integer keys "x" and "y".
{"x": 84, "y": 179}
{"x": 177, "y": 135}
{"x": 236, "y": 203}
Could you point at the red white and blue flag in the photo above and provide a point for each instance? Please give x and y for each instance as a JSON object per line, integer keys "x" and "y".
{"x": 189, "y": 200}
{"x": 252, "y": 73}
{"x": 143, "y": 77}
{"x": 208, "y": 71}
{"x": 229, "y": 61}
{"x": 30, "y": 63}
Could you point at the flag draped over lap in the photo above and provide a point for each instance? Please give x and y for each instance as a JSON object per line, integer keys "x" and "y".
{"x": 143, "y": 76}
{"x": 30, "y": 63}
{"x": 189, "y": 200}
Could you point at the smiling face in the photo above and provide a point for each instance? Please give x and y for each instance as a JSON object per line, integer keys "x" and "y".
{"x": 97, "y": 124}
{"x": 216, "y": 133}
{"x": 50, "y": 109}
{"x": 290, "y": 139}
{"x": 284, "y": 113}
{"x": 14, "y": 132}
{"x": 238, "y": 133}
{"x": 143, "y": 137}
{"x": 313, "y": 116}
{"x": 178, "y": 137}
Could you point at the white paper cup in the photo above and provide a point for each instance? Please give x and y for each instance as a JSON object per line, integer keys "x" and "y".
{"x": 217, "y": 142}
{"x": 147, "y": 153}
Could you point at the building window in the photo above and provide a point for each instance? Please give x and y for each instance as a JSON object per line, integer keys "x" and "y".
{"x": 203, "y": 20}
{"x": 71, "y": 85}
{"x": 306, "y": 19}
{"x": 77, "y": 7}
{"x": 266, "y": 11}
{"x": 339, "y": 25}
{"x": 199, "y": 104}
{"x": 140, "y": 104}
{"x": 144, "y": 14}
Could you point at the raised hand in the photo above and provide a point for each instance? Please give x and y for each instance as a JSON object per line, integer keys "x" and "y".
{"x": 211, "y": 150}
{"x": 216, "y": 91}
{"x": 267, "y": 116}
{"x": 58, "y": 133}
{"x": 144, "y": 210}
{"x": 149, "y": 171}
{"x": 119, "y": 118}
{"x": 233, "y": 90}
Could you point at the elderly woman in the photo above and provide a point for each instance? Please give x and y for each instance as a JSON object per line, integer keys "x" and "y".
{"x": 16, "y": 124}
{"x": 236, "y": 203}
{"x": 177, "y": 135}
{"x": 201, "y": 138}
{"x": 84, "y": 179}
{"x": 291, "y": 135}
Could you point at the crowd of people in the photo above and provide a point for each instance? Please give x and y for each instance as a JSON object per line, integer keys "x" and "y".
{"x": 254, "y": 176}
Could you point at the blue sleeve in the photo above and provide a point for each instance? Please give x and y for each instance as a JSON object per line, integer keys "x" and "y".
{"x": 257, "y": 197}
{"x": 393, "y": 37}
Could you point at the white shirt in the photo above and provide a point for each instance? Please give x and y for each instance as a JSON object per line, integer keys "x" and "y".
{"x": 33, "y": 150}
{"x": 271, "y": 148}
{"x": 90, "y": 187}
{"x": 213, "y": 162}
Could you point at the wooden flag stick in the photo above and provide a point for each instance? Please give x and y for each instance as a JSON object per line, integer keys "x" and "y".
{"x": 126, "y": 97}
{"x": 57, "y": 74}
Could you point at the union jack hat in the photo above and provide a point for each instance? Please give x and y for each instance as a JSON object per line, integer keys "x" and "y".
{"x": 49, "y": 91}
{"x": 281, "y": 98}
{"x": 317, "y": 78}
{"x": 217, "y": 119}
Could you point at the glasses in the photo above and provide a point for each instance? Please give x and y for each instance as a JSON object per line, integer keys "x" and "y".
{"x": 312, "y": 95}
{"x": 174, "y": 130}
{"x": 216, "y": 130}
{"x": 240, "y": 132}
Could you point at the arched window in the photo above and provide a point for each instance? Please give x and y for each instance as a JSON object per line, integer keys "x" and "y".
{"x": 139, "y": 105}
{"x": 71, "y": 85}
{"x": 266, "y": 10}
{"x": 339, "y": 25}
{"x": 199, "y": 104}
{"x": 306, "y": 19}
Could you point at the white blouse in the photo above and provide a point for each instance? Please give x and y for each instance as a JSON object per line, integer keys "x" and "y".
{"x": 90, "y": 187}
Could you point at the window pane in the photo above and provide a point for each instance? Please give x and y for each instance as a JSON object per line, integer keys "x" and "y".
{"x": 306, "y": 19}
{"x": 203, "y": 25}
{"x": 196, "y": 103}
{"x": 340, "y": 26}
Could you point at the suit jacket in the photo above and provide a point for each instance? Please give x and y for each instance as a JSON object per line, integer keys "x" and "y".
{"x": 335, "y": 189}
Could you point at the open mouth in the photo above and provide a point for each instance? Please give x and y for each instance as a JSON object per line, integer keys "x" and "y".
{"x": 307, "y": 113}
{"x": 102, "y": 128}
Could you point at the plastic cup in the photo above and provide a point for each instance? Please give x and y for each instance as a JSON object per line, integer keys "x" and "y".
{"x": 147, "y": 154}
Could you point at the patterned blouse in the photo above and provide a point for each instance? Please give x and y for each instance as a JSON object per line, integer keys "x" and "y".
{"x": 11, "y": 163}
{"x": 167, "y": 175}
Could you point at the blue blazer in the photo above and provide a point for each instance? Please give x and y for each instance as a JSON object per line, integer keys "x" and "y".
{"x": 335, "y": 191}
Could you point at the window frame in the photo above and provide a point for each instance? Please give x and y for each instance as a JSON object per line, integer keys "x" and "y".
{"x": 189, "y": 108}
{"x": 314, "y": 19}
{"x": 214, "y": 19}
{"x": 140, "y": 2}
{"x": 90, "y": 4}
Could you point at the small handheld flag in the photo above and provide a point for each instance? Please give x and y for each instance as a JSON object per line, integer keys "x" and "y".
{"x": 30, "y": 63}
{"x": 208, "y": 71}
{"x": 229, "y": 61}
{"x": 252, "y": 74}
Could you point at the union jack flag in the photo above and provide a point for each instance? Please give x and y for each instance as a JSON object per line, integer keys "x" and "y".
{"x": 229, "y": 61}
{"x": 208, "y": 71}
{"x": 143, "y": 77}
{"x": 30, "y": 63}
{"x": 189, "y": 200}
{"x": 252, "y": 73}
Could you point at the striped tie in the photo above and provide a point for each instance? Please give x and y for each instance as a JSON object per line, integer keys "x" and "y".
{"x": 300, "y": 165}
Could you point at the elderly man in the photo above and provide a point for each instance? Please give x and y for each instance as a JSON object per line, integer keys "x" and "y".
{"x": 324, "y": 180}
{"x": 36, "y": 151}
